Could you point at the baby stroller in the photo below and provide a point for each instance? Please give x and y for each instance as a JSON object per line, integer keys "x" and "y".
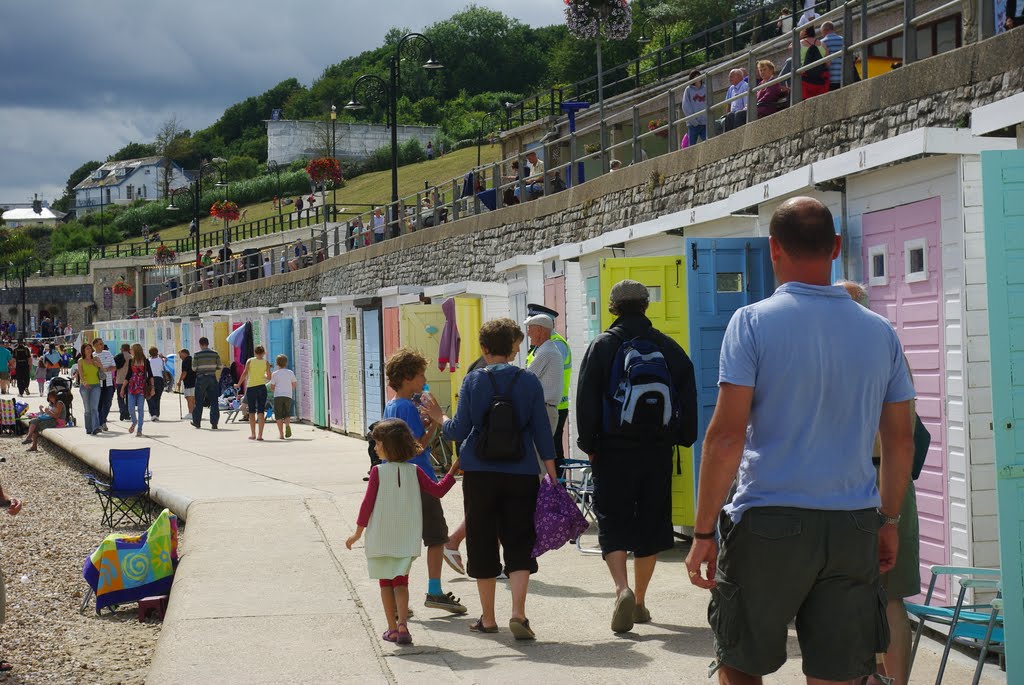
{"x": 62, "y": 384}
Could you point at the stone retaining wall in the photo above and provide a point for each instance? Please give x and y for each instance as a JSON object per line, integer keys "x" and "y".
{"x": 938, "y": 92}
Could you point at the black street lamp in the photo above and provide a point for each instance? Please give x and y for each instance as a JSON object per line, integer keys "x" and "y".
{"x": 274, "y": 168}
{"x": 334, "y": 156}
{"x": 386, "y": 92}
{"x": 216, "y": 164}
{"x": 492, "y": 118}
{"x": 656, "y": 23}
{"x": 22, "y": 271}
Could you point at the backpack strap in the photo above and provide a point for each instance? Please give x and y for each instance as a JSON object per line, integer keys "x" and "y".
{"x": 494, "y": 383}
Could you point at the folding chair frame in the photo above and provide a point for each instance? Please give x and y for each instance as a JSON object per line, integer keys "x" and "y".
{"x": 134, "y": 506}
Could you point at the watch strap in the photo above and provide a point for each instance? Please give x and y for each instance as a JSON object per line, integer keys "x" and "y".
{"x": 704, "y": 536}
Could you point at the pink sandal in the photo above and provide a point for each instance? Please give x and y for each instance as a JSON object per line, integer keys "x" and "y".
{"x": 404, "y": 638}
{"x": 390, "y": 636}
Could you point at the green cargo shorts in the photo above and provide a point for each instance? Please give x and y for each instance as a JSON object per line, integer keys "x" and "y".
{"x": 818, "y": 567}
{"x": 904, "y": 580}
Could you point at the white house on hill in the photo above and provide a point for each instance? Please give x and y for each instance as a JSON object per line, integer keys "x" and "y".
{"x": 123, "y": 182}
{"x": 26, "y": 216}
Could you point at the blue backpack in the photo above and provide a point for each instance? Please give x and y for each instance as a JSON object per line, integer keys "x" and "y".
{"x": 641, "y": 399}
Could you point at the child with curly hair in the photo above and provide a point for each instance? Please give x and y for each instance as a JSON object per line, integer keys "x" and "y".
{"x": 391, "y": 515}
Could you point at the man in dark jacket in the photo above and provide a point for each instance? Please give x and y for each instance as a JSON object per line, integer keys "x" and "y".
{"x": 632, "y": 474}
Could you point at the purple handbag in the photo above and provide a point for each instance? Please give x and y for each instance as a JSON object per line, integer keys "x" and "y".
{"x": 556, "y": 519}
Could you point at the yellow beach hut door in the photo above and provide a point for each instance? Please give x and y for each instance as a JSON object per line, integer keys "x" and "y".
{"x": 665, "y": 278}
{"x": 420, "y": 330}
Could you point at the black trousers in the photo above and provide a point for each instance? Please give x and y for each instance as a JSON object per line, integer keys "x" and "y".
{"x": 106, "y": 400}
{"x": 499, "y": 511}
{"x": 154, "y": 401}
{"x": 122, "y": 404}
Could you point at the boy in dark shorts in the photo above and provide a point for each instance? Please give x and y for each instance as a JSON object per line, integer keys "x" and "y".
{"x": 282, "y": 384}
{"x": 405, "y": 372}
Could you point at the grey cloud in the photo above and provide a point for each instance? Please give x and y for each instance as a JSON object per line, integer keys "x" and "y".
{"x": 81, "y": 79}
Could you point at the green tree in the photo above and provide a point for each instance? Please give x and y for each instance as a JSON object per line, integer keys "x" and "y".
{"x": 133, "y": 151}
{"x": 241, "y": 167}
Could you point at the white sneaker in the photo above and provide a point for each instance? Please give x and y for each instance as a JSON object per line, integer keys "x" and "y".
{"x": 154, "y": 418}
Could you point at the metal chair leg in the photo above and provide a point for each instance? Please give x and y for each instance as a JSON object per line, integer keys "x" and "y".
{"x": 984, "y": 646}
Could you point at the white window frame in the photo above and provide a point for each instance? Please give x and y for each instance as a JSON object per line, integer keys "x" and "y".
{"x": 873, "y": 252}
{"x": 908, "y": 247}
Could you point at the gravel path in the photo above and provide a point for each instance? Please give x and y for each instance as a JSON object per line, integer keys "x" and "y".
{"x": 41, "y": 552}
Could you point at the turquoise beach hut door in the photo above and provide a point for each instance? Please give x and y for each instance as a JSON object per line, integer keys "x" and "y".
{"x": 1002, "y": 175}
{"x": 723, "y": 274}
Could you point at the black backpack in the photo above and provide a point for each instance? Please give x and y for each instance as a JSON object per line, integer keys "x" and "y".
{"x": 501, "y": 437}
{"x": 815, "y": 75}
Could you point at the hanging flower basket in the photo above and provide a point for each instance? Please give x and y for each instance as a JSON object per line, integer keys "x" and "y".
{"x": 165, "y": 255}
{"x": 225, "y": 209}
{"x": 586, "y": 19}
{"x": 324, "y": 170}
{"x": 122, "y": 288}
{"x": 655, "y": 124}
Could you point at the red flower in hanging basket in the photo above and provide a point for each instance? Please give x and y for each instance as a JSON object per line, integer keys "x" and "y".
{"x": 324, "y": 170}
{"x": 165, "y": 255}
{"x": 225, "y": 209}
{"x": 656, "y": 124}
{"x": 122, "y": 288}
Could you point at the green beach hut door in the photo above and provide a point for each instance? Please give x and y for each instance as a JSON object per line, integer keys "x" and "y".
{"x": 1003, "y": 187}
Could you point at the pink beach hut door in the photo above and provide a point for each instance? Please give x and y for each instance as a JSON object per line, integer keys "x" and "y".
{"x": 902, "y": 253}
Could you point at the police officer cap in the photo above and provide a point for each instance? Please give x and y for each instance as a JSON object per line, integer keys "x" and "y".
{"x": 534, "y": 309}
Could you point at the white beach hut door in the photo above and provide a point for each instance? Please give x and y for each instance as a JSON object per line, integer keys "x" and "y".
{"x": 902, "y": 254}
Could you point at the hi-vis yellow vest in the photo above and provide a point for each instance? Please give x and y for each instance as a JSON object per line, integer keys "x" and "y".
{"x": 563, "y": 347}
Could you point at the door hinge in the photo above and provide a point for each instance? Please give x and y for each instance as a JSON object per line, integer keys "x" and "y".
{"x": 693, "y": 256}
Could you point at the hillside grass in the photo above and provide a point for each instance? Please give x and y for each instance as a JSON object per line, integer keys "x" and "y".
{"x": 368, "y": 189}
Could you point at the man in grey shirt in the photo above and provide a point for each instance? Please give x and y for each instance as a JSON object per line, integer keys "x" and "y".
{"x": 546, "y": 363}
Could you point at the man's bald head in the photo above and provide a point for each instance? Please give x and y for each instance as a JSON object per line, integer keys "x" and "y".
{"x": 803, "y": 227}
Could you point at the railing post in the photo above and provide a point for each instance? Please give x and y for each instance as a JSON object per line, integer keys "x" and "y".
{"x": 574, "y": 168}
{"x": 636, "y": 135}
{"x": 456, "y": 200}
{"x": 864, "y": 37}
{"x": 796, "y": 93}
{"x": 636, "y": 77}
{"x": 418, "y": 212}
{"x": 846, "y": 78}
{"x": 709, "y": 122}
{"x": 670, "y": 111}
{"x": 909, "y": 33}
{"x": 546, "y": 180}
{"x": 732, "y": 24}
{"x": 496, "y": 179}
{"x": 521, "y": 180}
{"x": 751, "y": 109}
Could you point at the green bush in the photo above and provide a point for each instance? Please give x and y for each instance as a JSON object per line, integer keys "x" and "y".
{"x": 69, "y": 237}
{"x": 411, "y": 151}
{"x": 242, "y": 167}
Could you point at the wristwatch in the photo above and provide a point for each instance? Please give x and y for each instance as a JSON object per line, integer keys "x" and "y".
{"x": 885, "y": 519}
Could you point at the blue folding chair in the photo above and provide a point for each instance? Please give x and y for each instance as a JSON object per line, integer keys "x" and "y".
{"x": 953, "y": 615}
{"x": 579, "y": 483}
{"x": 126, "y": 496}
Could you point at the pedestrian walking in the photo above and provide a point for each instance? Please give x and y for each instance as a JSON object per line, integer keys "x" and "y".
{"x": 206, "y": 364}
{"x": 255, "y": 375}
{"x": 283, "y": 384}
{"x": 187, "y": 378}
{"x": 391, "y": 515}
{"x": 87, "y": 373}
{"x": 806, "y": 378}
{"x": 107, "y": 380}
{"x": 501, "y": 421}
{"x": 156, "y": 363}
{"x": 138, "y": 387}
{"x": 651, "y": 407}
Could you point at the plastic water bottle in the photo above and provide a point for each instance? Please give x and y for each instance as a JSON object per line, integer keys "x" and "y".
{"x": 426, "y": 392}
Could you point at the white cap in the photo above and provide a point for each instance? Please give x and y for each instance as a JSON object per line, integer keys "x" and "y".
{"x": 542, "y": 320}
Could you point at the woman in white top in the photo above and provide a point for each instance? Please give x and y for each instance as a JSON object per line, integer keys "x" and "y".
{"x": 156, "y": 364}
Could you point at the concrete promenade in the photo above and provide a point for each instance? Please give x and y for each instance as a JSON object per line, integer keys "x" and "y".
{"x": 267, "y": 593}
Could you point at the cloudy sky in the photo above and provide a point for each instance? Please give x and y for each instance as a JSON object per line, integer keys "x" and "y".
{"x": 81, "y": 79}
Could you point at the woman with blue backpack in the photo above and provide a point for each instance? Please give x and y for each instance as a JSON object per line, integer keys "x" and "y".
{"x": 503, "y": 425}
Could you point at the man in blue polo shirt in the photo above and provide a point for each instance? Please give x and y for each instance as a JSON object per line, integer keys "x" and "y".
{"x": 806, "y": 378}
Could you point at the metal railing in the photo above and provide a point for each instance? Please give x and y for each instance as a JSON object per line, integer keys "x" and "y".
{"x": 648, "y": 69}
{"x": 214, "y": 238}
{"x": 46, "y": 270}
{"x": 491, "y": 187}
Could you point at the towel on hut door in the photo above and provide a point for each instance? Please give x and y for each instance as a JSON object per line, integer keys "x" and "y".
{"x": 448, "y": 354}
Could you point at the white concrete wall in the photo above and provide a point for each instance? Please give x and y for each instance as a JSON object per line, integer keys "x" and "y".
{"x": 288, "y": 140}
{"x": 983, "y": 532}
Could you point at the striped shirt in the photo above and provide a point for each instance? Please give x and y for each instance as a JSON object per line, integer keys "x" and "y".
{"x": 206, "y": 362}
{"x": 834, "y": 43}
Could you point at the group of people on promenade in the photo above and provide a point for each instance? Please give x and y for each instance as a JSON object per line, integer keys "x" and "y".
{"x": 793, "y": 521}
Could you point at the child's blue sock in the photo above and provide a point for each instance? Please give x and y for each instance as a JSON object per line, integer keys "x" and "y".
{"x": 434, "y": 587}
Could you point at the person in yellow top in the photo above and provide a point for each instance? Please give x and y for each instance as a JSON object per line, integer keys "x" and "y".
{"x": 255, "y": 376}
{"x": 88, "y": 374}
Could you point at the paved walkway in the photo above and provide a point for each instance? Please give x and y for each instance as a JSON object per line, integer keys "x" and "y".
{"x": 267, "y": 593}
